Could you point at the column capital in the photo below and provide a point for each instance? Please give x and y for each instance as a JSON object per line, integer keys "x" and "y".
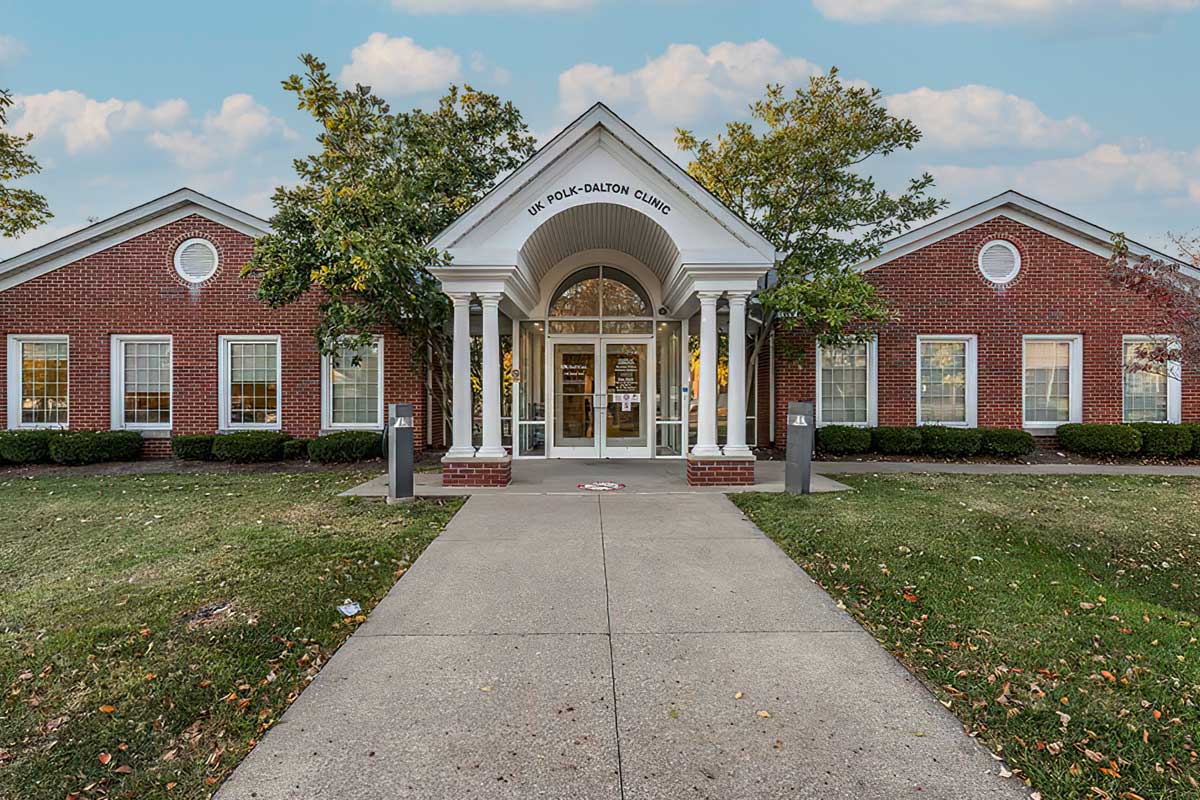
{"x": 489, "y": 298}
{"x": 459, "y": 298}
{"x": 738, "y": 295}
{"x": 708, "y": 298}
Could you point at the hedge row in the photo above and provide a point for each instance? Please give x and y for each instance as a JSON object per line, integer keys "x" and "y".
{"x": 258, "y": 446}
{"x": 1147, "y": 439}
{"x": 930, "y": 440}
{"x": 69, "y": 447}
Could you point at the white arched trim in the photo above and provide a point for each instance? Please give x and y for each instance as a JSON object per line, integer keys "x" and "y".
{"x": 590, "y": 258}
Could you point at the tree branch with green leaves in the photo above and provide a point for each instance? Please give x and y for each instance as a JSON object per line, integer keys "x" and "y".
{"x": 796, "y": 173}
{"x": 356, "y": 226}
{"x": 21, "y": 210}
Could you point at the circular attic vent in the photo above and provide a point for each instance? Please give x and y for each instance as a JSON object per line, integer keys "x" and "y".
{"x": 196, "y": 260}
{"x": 999, "y": 261}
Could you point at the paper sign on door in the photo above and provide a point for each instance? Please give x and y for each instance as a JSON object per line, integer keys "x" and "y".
{"x": 627, "y": 400}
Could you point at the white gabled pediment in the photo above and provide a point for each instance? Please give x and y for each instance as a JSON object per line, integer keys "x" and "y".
{"x": 123, "y": 227}
{"x": 1019, "y": 208}
{"x": 600, "y": 159}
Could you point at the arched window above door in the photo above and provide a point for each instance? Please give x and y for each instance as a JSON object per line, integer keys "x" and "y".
{"x": 600, "y": 297}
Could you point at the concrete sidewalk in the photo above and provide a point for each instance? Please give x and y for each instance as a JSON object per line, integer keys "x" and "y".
{"x": 615, "y": 646}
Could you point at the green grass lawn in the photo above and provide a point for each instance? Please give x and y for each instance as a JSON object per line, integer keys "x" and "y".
{"x": 153, "y": 627}
{"x": 1057, "y": 617}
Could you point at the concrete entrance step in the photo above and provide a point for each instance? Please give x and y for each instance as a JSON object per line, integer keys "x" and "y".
{"x": 563, "y": 476}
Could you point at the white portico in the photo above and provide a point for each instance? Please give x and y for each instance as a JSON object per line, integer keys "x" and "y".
{"x": 604, "y": 265}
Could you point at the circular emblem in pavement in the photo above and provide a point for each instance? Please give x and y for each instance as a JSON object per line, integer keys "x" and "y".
{"x": 601, "y": 486}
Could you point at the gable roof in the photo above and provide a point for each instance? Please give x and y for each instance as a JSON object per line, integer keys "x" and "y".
{"x": 1026, "y": 210}
{"x": 603, "y": 116}
{"x": 122, "y": 227}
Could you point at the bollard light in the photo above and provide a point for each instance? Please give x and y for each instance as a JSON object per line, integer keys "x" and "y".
{"x": 400, "y": 452}
{"x": 800, "y": 428}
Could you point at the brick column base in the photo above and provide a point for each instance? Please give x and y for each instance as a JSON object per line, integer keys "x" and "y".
{"x": 477, "y": 472}
{"x": 720, "y": 470}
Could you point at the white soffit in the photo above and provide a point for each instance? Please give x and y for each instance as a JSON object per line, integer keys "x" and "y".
{"x": 1025, "y": 210}
{"x": 121, "y": 228}
{"x": 599, "y": 226}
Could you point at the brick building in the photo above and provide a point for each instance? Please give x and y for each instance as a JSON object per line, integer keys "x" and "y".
{"x": 595, "y": 291}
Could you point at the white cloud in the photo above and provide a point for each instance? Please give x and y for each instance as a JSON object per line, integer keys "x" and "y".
{"x": 976, "y": 116}
{"x": 463, "y": 6}
{"x": 686, "y": 82}
{"x": 11, "y": 49}
{"x": 1105, "y": 172}
{"x": 397, "y": 65}
{"x": 85, "y": 123}
{"x": 989, "y": 11}
{"x": 240, "y": 124}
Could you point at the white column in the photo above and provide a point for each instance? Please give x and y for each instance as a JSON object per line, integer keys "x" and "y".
{"x": 735, "y": 430}
{"x": 706, "y": 421}
{"x": 491, "y": 376}
{"x": 461, "y": 378}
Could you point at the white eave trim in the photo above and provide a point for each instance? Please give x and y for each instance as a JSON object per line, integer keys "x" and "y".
{"x": 1022, "y": 209}
{"x": 602, "y": 116}
{"x": 124, "y": 226}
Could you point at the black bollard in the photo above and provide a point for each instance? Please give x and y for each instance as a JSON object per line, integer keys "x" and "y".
{"x": 800, "y": 427}
{"x": 400, "y": 452}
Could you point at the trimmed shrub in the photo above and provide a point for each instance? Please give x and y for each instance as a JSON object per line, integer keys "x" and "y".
{"x": 1006, "y": 442}
{"x": 1094, "y": 439}
{"x": 1195, "y": 429}
{"x": 248, "y": 447}
{"x": 26, "y": 447}
{"x": 896, "y": 441}
{"x": 1164, "y": 441}
{"x": 93, "y": 447}
{"x": 942, "y": 442}
{"x": 295, "y": 449}
{"x": 843, "y": 439}
{"x": 346, "y": 446}
{"x": 193, "y": 447}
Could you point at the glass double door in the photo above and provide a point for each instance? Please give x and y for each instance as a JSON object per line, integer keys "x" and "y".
{"x": 602, "y": 405}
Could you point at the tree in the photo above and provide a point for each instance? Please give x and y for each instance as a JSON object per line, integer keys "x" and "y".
{"x": 21, "y": 210}
{"x": 798, "y": 177}
{"x": 1163, "y": 282}
{"x": 357, "y": 225}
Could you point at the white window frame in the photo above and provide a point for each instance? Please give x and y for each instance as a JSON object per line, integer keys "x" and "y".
{"x": 972, "y": 391}
{"x": 223, "y": 392}
{"x": 15, "y": 342}
{"x": 1075, "y": 389}
{"x": 117, "y": 381}
{"x": 327, "y": 422}
{"x": 872, "y": 387}
{"x": 1174, "y": 374}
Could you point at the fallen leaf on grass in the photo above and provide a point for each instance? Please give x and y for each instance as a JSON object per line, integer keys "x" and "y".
{"x": 105, "y": 758}
{"x": 107, "y": 709}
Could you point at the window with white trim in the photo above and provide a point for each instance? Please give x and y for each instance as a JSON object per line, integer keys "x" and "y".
{"x": 1151, "y": 388}
{"x": 141, "y": 382}
{"x": 249, "y": 375}
{"x": 38, "y": 381}
{"x": 352, "y": 387}
{"x": 946, "y": 370}
{"x": 846, "y": 384}
{"x": 1053, "y": 380}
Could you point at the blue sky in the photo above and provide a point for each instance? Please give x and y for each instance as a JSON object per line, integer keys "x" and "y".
{"x": 1090, "y": 105}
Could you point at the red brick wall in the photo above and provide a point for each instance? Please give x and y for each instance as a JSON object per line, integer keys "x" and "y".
{"x": 132, "y": 288}
{"x": 939, "y": 290}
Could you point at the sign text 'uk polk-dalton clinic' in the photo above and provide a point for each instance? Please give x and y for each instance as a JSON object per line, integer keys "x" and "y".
{"x": 567, "y": 192}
